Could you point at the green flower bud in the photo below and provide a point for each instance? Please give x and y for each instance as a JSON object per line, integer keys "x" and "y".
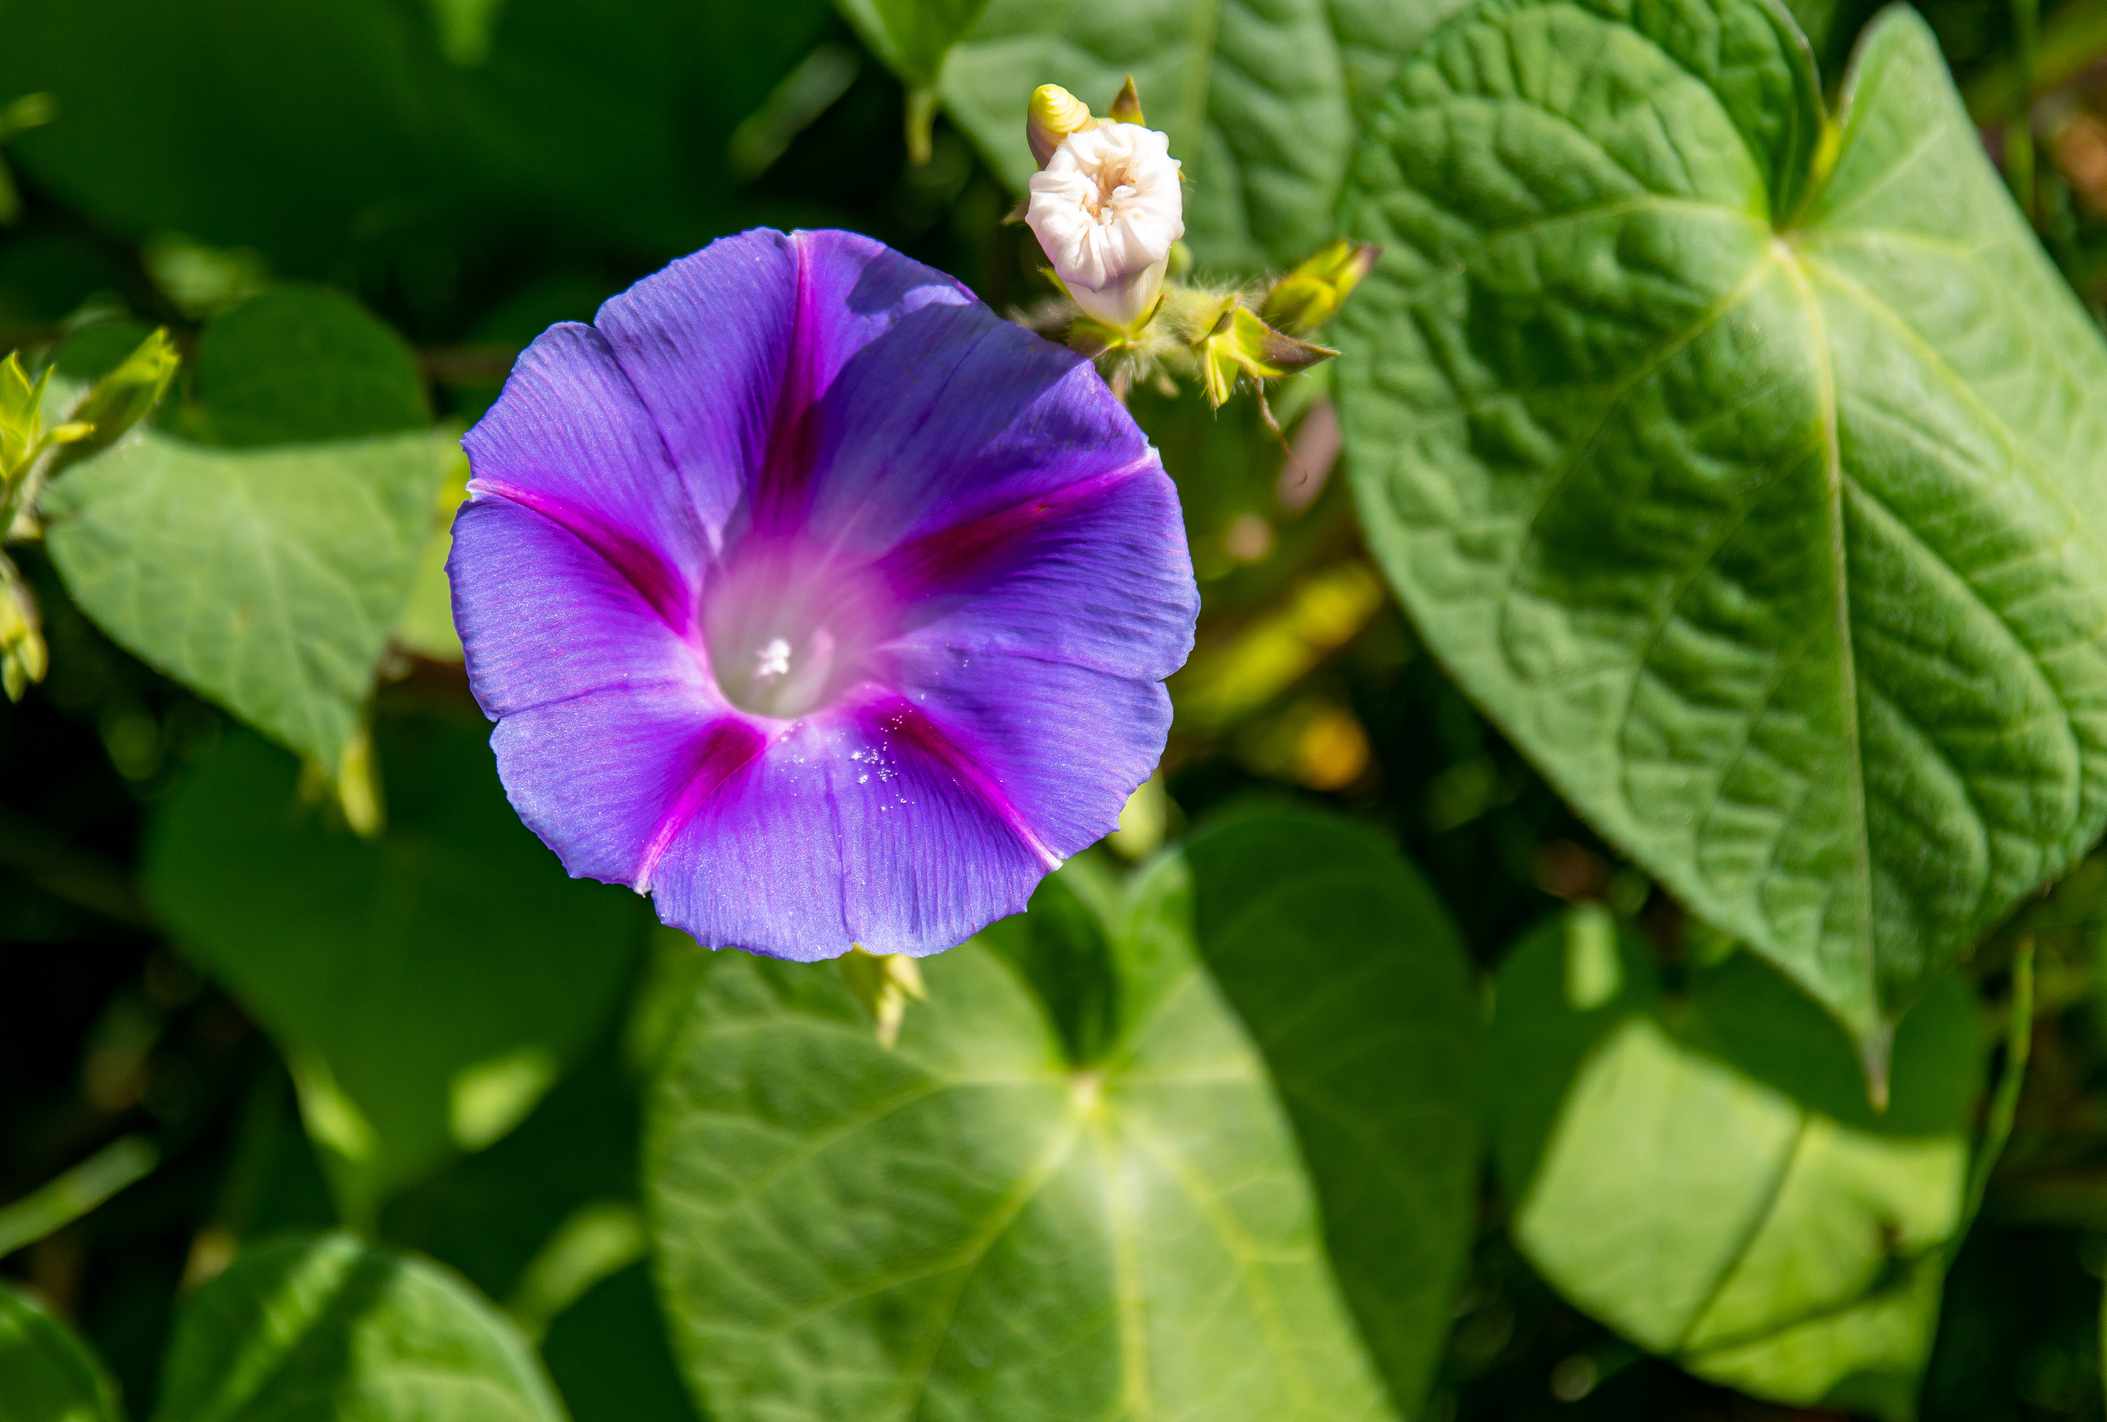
{"x": 21, "y": 416}
{"x": 23, "y": 656}
{"x": 884, "y": 983}
{"x": 127, "y": 394}
{"x": 1313, "y": 292}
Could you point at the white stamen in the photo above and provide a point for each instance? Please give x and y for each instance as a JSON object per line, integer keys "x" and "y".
{"x": 773, "y": 659}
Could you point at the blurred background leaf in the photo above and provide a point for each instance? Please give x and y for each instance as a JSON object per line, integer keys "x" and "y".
{"x": 51, "y": 1376}
{"x": 429, "y": 986}
{"x": 608, "y": 1353}
{"x": 299, "y": 365}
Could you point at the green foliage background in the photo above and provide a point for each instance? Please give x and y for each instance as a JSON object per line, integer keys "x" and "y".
{"x": 1619, "y": 930}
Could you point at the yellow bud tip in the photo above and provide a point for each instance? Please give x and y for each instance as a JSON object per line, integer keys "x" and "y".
{"x": 1052, "y": 115}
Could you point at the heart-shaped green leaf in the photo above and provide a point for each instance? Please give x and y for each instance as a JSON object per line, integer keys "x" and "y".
{"x": 441, "y": 977}
{"x": 265, "y": 568}
{"x": 1704, "y": 1172}
{"x": 331, "y": 1330}
{"x": 1259, "y": 99}
{"x": 1751, "y": 473}
{"x": 46, "y": 1373}
{"x": 1197, "y": 1148}
{"x": 264, "y": 579}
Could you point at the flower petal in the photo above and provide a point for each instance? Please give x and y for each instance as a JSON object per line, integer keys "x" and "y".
{"x": 569, "y": 439}
{"x": 868, "y": 828}
{"x": 952, "y": 415}
{"x": 734, "y": 347}
{"x": 609, "y": 779}
{"x": 1094, "y": 572}
{"x": 543, "y": 617}
{"x": 1060, "y": 745}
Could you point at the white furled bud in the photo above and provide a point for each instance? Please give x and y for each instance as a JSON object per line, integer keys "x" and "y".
{"x": 1106, "y": 209}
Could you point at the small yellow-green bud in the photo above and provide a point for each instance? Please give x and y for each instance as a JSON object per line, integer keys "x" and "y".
{"x": 21, "y": 416}
{"x": 1052, "y": 115}
{"x": 1241, "y": 343}
{"x": 127, "y": 394}
{"x": 1313, "y": 292}
{"x": 884, "y": 983}
{"x": 23, "y": 657}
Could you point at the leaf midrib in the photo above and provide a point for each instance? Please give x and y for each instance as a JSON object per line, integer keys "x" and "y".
{"x": 1847, "y": 647}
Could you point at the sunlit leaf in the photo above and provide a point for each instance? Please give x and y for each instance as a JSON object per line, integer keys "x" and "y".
{"x": 330, "y": 1330}
{"x": 265, "y": 579}
{"x": 1197, "y": 1147}
{"x": 1754, "y": 480}
{"x": 1704, "y": 1172}
{"x": 403, "y": 134}
{"x": 264, "y": 562}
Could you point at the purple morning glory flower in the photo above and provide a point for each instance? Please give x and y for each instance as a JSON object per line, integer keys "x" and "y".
{"x": 816, "y": 600}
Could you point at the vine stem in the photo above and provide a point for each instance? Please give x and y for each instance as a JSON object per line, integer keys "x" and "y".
{"x": 77, "y": 1192}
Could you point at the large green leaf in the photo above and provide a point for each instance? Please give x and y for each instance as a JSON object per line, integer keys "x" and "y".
{"x": 1704, "y": 1173}
{"x": 1259, "y": 98}
{"x": 428, "y": 987}
{"x": 330, "y": 1330}
{"x": 1761, "y": 497}
{"x": 265, "y": 565}
{"x": 46, "y": 1373}
{"x": 265, "y": 579}
{"x": 1198, "y": 1148}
